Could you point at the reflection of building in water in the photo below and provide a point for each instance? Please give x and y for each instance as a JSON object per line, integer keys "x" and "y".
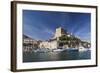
{"x": 61, "y": 39}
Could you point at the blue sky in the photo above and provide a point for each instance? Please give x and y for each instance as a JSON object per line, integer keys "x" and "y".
{"x": 41, "y": 25}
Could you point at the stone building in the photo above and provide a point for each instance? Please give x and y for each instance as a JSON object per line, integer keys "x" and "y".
{"x": 29, "y": 43}
{"x": 61, "y": 39}
{"x": 49, "y": 44}
{"x": 70, "y": 41}
{"x": 55, "y": 42}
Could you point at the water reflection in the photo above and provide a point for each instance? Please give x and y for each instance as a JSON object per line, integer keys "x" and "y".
{"x": 55, "y": 56}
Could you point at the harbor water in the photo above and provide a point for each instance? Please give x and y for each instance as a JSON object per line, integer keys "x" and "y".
{"x": 56, "y": 56}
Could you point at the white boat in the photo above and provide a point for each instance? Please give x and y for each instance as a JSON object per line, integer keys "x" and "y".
{"x": 82, "y": 49}
{"x": 58, "y": 50}
{"x": 70, "y": 49}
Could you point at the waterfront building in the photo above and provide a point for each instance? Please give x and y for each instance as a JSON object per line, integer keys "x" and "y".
{"x": 61, "y": 40}
{"x": 49, "y": 44}
{"x": 55, "y": 41}
{"x": 29, "y": 44}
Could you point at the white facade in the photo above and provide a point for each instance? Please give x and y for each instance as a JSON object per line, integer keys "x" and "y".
{"x": 53, "y": 44}
{"x": 49, "y": 45}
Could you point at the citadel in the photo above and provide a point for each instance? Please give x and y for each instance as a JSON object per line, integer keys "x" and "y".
{"x": 61, "y": 40}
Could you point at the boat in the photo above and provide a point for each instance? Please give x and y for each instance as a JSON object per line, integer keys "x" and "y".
{"x": 57, "y": 50}
{"x": 72, "y": 49}
{"x": 65, "y": 49}
{"x": 82, "y": 49}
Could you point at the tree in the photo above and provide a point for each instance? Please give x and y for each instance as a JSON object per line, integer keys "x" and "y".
{"x": 72, "y": 41}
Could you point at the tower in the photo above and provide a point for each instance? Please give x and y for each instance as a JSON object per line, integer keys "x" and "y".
{"x": 59, "y": 32}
